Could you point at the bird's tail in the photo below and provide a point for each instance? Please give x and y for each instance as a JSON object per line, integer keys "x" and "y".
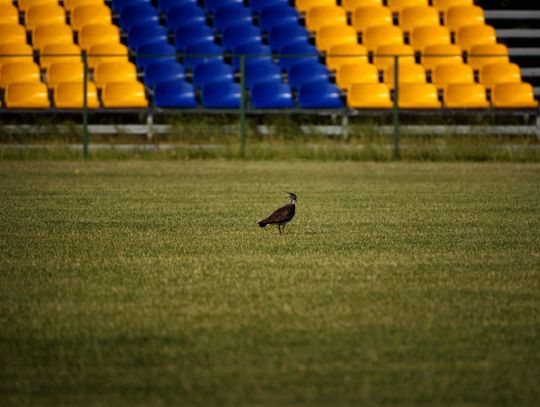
{"x": 262, "y": 224}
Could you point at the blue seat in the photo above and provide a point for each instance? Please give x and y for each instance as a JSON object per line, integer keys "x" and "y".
{"x": 192, "y": 34}
{"x": 271, "y": 95}
{"x": 307, "y": 72}
{"x": 158, "y": 72}
{"x": 279, "y": 14}
{"x": 187, "y": 14}
{"x": 179, "y": 94}
{"x": 118, "y": 5}
{"x": 165, "y": 5}
{"x": 297, "y": 53}
{"x": 224, "y": 95}
{"x": 138, "y": 14}
{"x": 285, "y": 34}
{"x": 258, "y": 5}
{"x": 213, "y": 5}
{"x": 155, "y": 52}
{"x": 319, "y": 95}
{"x": 255, "y": 53}
{"x": 144, "y": 34}
{"x": 232, "y": 15}
{"x": 202, "y": 53}
{"x": 236, "y": 35}
{"x": 216, "y": 71}
{"x": 263, "y": 72}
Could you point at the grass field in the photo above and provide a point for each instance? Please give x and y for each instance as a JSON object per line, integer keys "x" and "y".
{"x": 149, "y": 283}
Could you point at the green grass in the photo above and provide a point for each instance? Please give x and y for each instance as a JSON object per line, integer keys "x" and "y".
{"x": 149, "y": 283}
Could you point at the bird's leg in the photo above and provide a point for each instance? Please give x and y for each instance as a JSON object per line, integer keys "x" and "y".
{"x": 284, "y": 229}
{"x": 279, "y": 229}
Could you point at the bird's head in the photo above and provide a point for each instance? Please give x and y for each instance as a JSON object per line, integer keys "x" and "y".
{"x": 292, "y": 197}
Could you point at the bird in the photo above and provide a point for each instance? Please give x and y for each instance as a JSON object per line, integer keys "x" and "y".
{"x": 281, "y": 216}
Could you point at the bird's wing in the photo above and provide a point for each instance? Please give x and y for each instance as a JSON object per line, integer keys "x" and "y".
{"x": 282, "y": 214}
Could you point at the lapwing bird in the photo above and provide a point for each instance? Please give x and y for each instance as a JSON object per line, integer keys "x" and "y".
{"x": 281, "y": 216}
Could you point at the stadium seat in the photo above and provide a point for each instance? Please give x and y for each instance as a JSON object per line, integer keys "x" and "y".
{"x": 192, "y": 34}
{"x": 444, "y": 75}
{"x": 90, "y": 14}
{"x": 185, "y": 14}
{"x": 271, "y": 95}
{"x": 9, "y": 14}
{"x": 124, "y": 95}
{"x": 154, "y": 52}
{"x": 362, "y": 72}
{"x": 64, "y": 72}
{"x": 32, "y": 95}
{"x": 101, "y": 53}
{"x": 429, "y": 35}
{"x": 98, "y": 34}
{"x": 418, "y": 96}
{"x": 382, "y": 35}
{"x": 119, "y": 5}
{"x": 271, "y": 16}
{"x": 343, "y": 54}
{"x": 461, "y": 16}
{"x": 408, "y": 73}
{"x": 202, "y": 53}
{"x": 465, "y": 96}
{"x": 257, "y": 5}
{"x": 284, "y": 34}
{"x": 114, "y": 72}
{"x": 371, "y": 16}
{"x": 444, "y": 5}
{"x": 418, "y": 16}
{"x": 24, "y": 5}
{"x": 440, "y": 54}
{"x": 255, "y": 53}
{"x": 330, "y": 35}
{"x": 485, "y": 54}
{"x": 369, "y": 96}
{"x": 44, "y": 14}
{"x": 18, "y": 72}
{"x": 471, "y": 35}
{"x": 513, "y": 96}
{"x": 138, "y": 14}
{"x": 212, "y": 5}
{"x": 70, "y": 95}
{"x": 175, "y": 94}
{"x": 351, "y": 5}
{"x": 384, "y": 56}
{"x": 211, "y": 72}
{"x": 69, "y": 5}
{"x": 51, "y": 34}
{"x": 166, "y": 71}
{"x": 232, "y": 15}
{"x": 12, "y": 34}
{"x": 307, "y": 72}
{"x": 297, "y": 53}
{"x": 53, "y": 53}
{"x": 222, "y": 95}
{"x": 15, "y": 52}
{"x": 319, "y": 95}
{"x": 146, "y": 33}
{"x": 305, "y": 5}
{"x": 320, "y": 16}
{"x": 264, "y": 72}
{"x": 165, "y": 5}
{"x": 503, "y": 72}
{"x": 398, "y": 5}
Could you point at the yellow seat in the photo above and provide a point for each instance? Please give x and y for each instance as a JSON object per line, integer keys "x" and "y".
{"x": 382, "y": 35}
{"x": 457, "y": 17}
{"x": 444, "y": 5}
{"x": 114, "y": 72}
{"x": 366, "y": 17}
{"x": 465, "y": 96}
{"x": 513, "y": 95}
{"x": 103, "y": 53}
{"x": 29, "y": 95}
{"x": 343, "y": 54}
{"x": 418, "y": 96}
{"x": 44, "y": 14}
{"x": 124, "y": 94}
{"x": 320, "y": 16}
{"x": 429, "y": 35}
{"x": 444, "y": 75}
{"x": 441, "y": 54}
{"x": 411, "y": 73}
{"x": 398, "y": 5}
{"x": 351, "y": 5}
{"x": 418, "y": 16}
{"x": 51, "y": 34}
{"x": 98, "y": 34}
{"x": 356, "y": 73}
{"x": 369, "y": 96}
{"x": 330, "y": 35}
{"x": 90, "y": 14}
{"x": 15, "y": 52}
{"x": 26, "y": 4}
{"x": 503, "y": 72}
{"x": 471, "y": 35}
{"x": 9, "y": 14}
{"x": 69, "y": 95}
{"x": 384, "y": 55}
{"x": 305, "y": 5}
{"x": 18, "y": 72}
{"x": 69, "y": 5}
{"x": 54, "y": 53}
{"x": 485, "y": 54}
{"x": 65, "y": 72}
{"x": 12, "y": 33}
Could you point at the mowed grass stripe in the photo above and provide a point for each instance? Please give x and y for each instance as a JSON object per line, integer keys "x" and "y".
{"x": 150, "y": 283}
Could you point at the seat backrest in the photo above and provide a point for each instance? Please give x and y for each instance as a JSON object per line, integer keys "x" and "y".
{"x": 335, "y": 34}
{"x": 307, "y": 72}
{"x": 443, "y": 75}
{"x": 485, "y": 54}
{"x": 98, "y": 34}
{"x": 320, "y": 16}
{"x": 165, "y": 71}
{"x": 441, "y": 54}
{"x": 28, "y": 95}
{"x": 513, "y": 96}
{"x": 343, "y": 54}
{"x": 90, "y": 14}
{"x": 124, "y": 95}
{"x": 185, "y": 14}
{"x": 369, "y": 96}
{"x": 418, "y": 16}
{"x": 398, "y": 5}
{"x": 418, "y": 96}
{"x": 407, "y": 73}
{"x": 240, "y": 34}
{"x": 460, "y": 16}
{"x": 471, "y": 35}
{"x": 362, "y": 72}
{"x": 115, "y": 72}
{"x": 204, "y": 74}
{"x": 18, "y": 72}
{"x": 272, "y": 95}
{"x": 51, "y": 34}
{"x": 429, "y": 35}
{"x": 70, "y": 71}
{"x": 232, "y": 15}
{"x": 12, "y": 33}
{"x": 44, "y": 14}
{"x": 465, "y": 96}
{"x": 319, "y": 95}
{"x": 444, "y": 5}
{"x": 305, "y": 5}
{"x": 382, "y": 35}
{"x": 502, "y": 72}
{"x": 351, "y": 5}
{"x": 69, "y": 95}
{"x": 384, "y": 55}
{"x": 277, "y": 15}
{"x": 15, "y": 52}
{"x": 370, "y": 16}
{"x": 282, "y": 35}
{"x": 53, "y": 53}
